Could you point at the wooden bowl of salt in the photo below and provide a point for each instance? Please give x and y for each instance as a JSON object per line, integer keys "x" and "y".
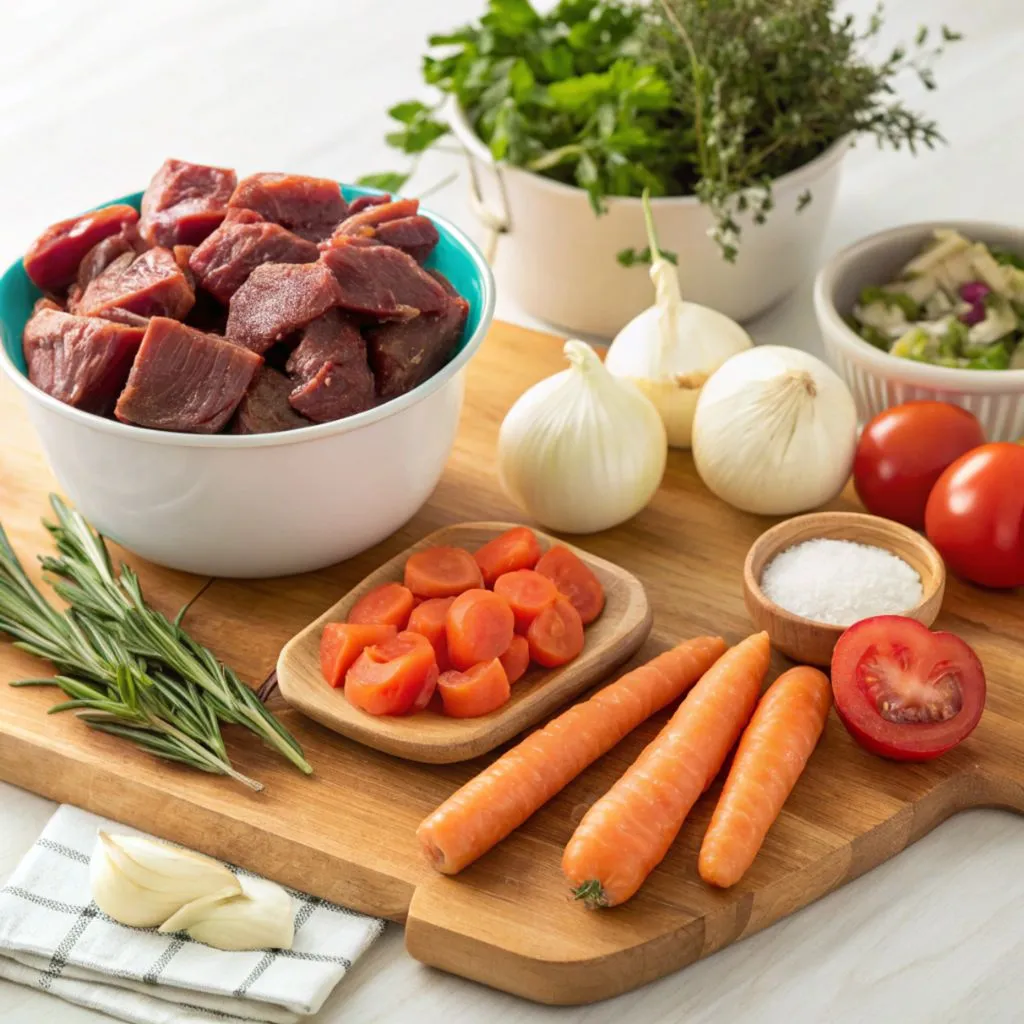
{"x": 809, "y": 578}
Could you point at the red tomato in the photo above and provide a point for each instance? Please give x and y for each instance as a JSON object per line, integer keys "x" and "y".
{"x": 903, "y": 451}
{"x": 903, "y": 691}
{"x": 975, "y": 515}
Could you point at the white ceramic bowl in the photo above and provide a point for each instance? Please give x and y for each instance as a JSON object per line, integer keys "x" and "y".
{"x": 557, "y": 259}
{"x": 879, "y": 380}
{"x": 265, "y": 504}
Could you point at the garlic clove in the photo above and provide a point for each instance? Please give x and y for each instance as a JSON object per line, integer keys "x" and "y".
{"x": 260, "y": 917}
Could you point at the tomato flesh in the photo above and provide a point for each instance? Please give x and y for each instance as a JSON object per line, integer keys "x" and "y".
{"x": 904, "y": 692}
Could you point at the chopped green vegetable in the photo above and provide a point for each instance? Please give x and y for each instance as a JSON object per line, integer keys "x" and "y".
{"x": 897, "y": 300}
{"x": 1006, "y": 258}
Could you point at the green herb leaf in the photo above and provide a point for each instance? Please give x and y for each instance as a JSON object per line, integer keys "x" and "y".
{"x": 631, "y": 257}
{"x": 386, "y": 181}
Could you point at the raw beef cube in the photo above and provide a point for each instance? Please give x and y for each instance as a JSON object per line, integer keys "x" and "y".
{"x": 53, "y": 258}
{"x": 122, "y": 316}
{"x": 415, "y": 235}
{"x": 336, "y": 390}
{"x": 404, "y": 355}
{"x": 265, "y": 408}
{"x": 102, "y": 254}
{"x": 185, "y": 380}
{"x": 311, "y": 207}
{"x": 381, "y": 281}
{"x": 329, "y": 338}
{"x": 279, "y": 298}
{"x": 224, "y": 261}
{"x": 366, "y": 223}
{"x": 185, "y": 202}
{"x": 149, "y": 284}
{"x": 83, "y": 361}
{"x": 360, "y": 203}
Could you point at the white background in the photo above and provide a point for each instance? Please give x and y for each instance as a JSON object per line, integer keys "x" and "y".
{"x": 94, "y": 95}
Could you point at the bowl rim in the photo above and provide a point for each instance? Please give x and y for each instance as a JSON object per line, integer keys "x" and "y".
{"x": 752, "y": 583}
{"x": 946, "y": 378}
{"x": 315, "y": 432}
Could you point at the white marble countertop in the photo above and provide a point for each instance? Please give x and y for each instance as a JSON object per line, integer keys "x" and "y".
{"x": 95, "y": 94}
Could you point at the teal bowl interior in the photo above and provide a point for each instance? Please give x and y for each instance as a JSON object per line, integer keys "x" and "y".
{"x": 452, "y": 256}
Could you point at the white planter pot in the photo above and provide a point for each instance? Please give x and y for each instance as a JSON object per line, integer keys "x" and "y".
{"x": 556, "y": 258}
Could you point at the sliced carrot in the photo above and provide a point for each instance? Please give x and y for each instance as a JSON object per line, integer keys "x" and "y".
{"x": 342, "y": 642}
{"x": 442, "y": 572}
{"x": 629, "y": 830}
{"x": 386, "y": 605}
{"x": 771, "y": 756}
{"x": 479, "y": 627}
{"x": 477, "y": 691}
{"x": 575, "y": 580}
{"x": 387, "y": 678}
{"x": 427, "y": 690}
{"x": 556, "y": 635}
{"x": 516, "y": 658}
{"x": 528, "y": 594}
{"x": 517, "y": 548}
{"x": 499, "y": 799}
{"x": 428, "y": 619}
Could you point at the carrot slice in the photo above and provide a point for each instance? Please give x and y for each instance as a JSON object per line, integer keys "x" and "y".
{"x": 477, "y": 691}
{"x": 342, "y": 642}
{"x": 517, "y": 548}
{"x": 575, "y": 580}
{"x": 499, "y": 799}
{"x": 427, "y": 690}
{"x": 629, "y": 830}
{"x": 528, "y": 593}
{"x": 516, "y": 658}
{"x": 387, "y": 678}
{"x": 556, "y": 635}
{"x": 479, "y": 627}
{"x": 428, "y": 619}
{"x": 386, "y": 605}
{"x": 772, "y": 754}
{"x": 442, "y": 572}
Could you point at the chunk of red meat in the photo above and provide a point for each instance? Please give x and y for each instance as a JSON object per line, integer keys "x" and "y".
{"x": 122, "y": 316}
{"x": 332, "y": 337}
{"x": 102, "y": 254}
{"x": 279, "y": 298}
{"x": 185, "y": 380}
{"x": 415, "y": 235}
{"x": 83, "y": 361}
{"x": 335, "y": 391}
{"x": 264, "y": 408}
{"x": 404, "y": 355}
{"x": 224, "y": 261}
{"x": 185, "y": 202}
{"x": 367, "y": 222}
{"x": 381, "y": 281}
{"x": 360, "y": 203}
{"x": 148, "y": 284}
{"x": 52, "y": 259}
{"x": 310, "y": 207}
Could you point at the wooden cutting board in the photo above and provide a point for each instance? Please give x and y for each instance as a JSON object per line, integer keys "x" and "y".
{"x": 346, "y": 834}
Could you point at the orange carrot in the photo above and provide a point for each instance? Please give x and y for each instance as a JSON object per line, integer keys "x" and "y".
{"x": 555, "y": 637}
{"x": 516, "y": 658}
{"x": 517, "y": 548}
{"x": 442, "y": 572}
{"x": 575, "y": 580}
{"x": 504, "y": 795}
{"x": 772, "y": 754}
{"x": 479, "y": 627}
{"x": 428, "y": 619}
{"x": 528, "y": 593}
{"x": 342, "y": 642}
{"x": 629, "y": 830}
{"x": 386, "y": 605}
{"x": 387, "y": 678}
{"x": 477, "y": 691}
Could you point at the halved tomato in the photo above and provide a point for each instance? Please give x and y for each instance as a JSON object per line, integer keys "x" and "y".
{"x": 905, "y": 692}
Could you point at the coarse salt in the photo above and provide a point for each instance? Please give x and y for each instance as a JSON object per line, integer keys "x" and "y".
{"x": 840, "y": 581}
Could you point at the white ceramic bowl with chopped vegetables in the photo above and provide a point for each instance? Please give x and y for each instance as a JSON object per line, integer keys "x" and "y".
{"x": 951, "y": 320}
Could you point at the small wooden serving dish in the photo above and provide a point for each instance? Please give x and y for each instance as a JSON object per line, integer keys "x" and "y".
{"x": 811, "y": 642}
{"x": 434, "y": 738}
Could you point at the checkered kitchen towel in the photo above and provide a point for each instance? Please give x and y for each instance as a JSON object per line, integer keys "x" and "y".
{"x": 53, "y": 937}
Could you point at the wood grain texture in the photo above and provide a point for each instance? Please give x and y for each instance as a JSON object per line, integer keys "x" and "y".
{"x": 805, "y": 640}
{"x": 347, "y": 834}
{"x": 435, "y": 738}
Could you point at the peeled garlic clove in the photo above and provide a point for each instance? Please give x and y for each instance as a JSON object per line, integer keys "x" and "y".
{"x": 260, "y": 918}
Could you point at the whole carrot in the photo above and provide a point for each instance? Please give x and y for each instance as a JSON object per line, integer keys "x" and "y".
{"x": 504, "y": 795}
{"x": 772, "y": 754}
{"x": 625, "y": 835}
